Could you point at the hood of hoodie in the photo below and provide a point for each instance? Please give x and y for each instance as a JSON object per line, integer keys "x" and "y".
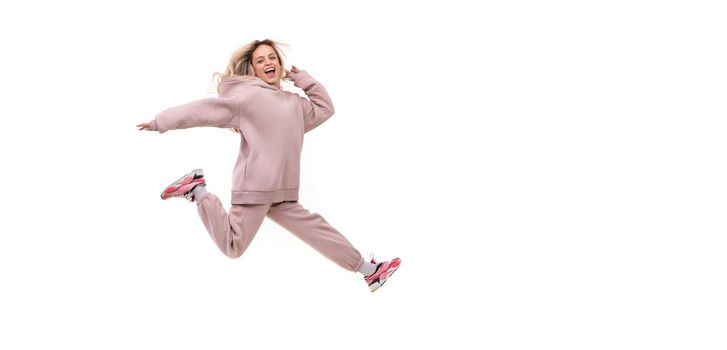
{"x": 233, "y": 83}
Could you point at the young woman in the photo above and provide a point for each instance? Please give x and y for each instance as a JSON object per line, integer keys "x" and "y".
{"x": 271, "y": 124}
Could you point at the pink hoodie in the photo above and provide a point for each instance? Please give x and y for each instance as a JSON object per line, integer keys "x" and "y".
{"x": 271, "y": 122}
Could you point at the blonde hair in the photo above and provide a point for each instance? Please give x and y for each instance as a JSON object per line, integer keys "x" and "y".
{"x": 241, "y": 61}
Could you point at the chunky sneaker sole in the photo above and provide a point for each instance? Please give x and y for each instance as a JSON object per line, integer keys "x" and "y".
{"x": 184, "y": 186}
{"x": 383, "y": 271}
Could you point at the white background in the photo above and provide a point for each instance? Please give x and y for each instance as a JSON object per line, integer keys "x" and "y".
{"x": 551, "y": 173}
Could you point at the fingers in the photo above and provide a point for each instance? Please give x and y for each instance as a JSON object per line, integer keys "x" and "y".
{"x": 292, "y": 70}
{"x": 288, "y": 75}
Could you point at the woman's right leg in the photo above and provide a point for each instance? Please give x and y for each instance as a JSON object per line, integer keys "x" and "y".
{"x": 232, "y": 232}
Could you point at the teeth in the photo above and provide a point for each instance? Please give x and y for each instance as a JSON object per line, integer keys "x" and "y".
{"x": 269, "y": 70}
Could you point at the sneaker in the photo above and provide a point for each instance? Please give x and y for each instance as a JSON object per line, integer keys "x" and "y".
{"x": 383, "y": 271}
{"x": 184, "y": 186}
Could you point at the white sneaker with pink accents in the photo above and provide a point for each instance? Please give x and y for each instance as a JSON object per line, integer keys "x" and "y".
{"x": 184, "y": 186}
{"x": 384, "y": 270}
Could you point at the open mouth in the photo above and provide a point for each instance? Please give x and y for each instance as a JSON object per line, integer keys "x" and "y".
{"x": 270, "y": 72}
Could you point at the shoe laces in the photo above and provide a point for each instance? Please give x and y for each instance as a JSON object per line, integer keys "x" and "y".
{"x": 373, "y": 261}
{"x": 188, "y": 196}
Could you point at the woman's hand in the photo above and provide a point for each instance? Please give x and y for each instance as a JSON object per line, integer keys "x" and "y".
{"x": 143, "y": 126}
{"x": 294, "y": 70}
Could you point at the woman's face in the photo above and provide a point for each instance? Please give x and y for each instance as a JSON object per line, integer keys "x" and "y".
{"x": 266, "y": 64}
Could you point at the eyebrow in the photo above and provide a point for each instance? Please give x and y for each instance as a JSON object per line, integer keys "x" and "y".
{"x": 272, "y": 53}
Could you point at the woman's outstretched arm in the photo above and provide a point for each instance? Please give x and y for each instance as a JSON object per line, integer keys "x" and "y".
{"x": 223, "y": 112}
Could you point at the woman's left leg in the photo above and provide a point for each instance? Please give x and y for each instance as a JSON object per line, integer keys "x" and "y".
{"x": 316, "y": 232}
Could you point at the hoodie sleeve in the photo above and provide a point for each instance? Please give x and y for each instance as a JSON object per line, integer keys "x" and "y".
{"x": 223, "y": 112}
{"x": 320, "y": 107}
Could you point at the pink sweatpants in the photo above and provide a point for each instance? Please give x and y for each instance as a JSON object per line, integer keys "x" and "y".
{"x": 233, "y": 232}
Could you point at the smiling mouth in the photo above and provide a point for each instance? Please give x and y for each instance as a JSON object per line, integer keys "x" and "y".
{"x": 270, "y": 72}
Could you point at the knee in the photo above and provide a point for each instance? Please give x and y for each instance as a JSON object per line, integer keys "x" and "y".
{"x": 234, "y": 251}
{"x": 233, "y": 254}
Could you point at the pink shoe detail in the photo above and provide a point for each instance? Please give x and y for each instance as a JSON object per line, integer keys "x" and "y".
{"x": 383, "y": 271}
{"x": 184, "y": 186}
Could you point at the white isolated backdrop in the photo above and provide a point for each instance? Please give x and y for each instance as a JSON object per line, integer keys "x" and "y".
{"x": 551, "y": 173}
